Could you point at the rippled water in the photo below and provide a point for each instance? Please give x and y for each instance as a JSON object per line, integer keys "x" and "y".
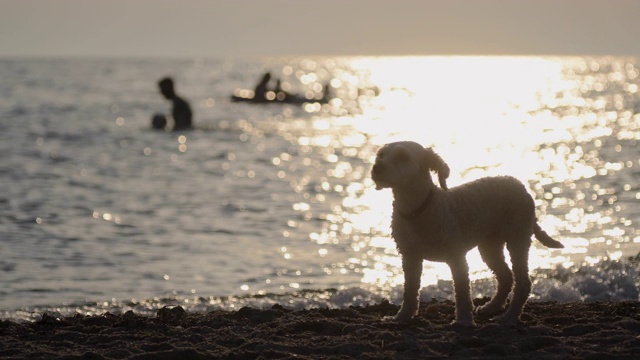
{"x": 274, "y": 203}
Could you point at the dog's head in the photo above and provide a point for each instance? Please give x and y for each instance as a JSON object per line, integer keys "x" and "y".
{"x": 400, "y": 162}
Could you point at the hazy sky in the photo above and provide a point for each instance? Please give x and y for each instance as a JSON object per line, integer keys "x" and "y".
{"x": 319, "y": 27}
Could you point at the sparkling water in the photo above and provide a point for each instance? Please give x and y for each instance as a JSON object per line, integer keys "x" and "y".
{"x": 264, "y": 204}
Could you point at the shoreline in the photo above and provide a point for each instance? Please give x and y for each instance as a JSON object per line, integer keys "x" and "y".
{"x": 554, "y": 330}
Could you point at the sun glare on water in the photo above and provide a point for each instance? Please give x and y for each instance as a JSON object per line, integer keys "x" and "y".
{"x": 485, "y": 116}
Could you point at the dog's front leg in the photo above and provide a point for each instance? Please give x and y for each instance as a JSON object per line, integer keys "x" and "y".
{"x": 461, "y": 285}
{"x": 412, "y": 267}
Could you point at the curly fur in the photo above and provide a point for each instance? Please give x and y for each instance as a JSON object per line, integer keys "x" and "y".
{"x": 440, "y": 224}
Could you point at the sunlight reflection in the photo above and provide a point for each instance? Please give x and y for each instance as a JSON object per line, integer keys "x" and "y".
{"x": 416, "y": 106}
{"x": 550, "y": 123}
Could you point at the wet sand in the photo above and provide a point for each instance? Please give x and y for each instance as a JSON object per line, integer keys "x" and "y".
{"x": 549, "y": 330}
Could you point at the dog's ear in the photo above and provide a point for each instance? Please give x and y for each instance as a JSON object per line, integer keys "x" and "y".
{"x": 434, "y": 162}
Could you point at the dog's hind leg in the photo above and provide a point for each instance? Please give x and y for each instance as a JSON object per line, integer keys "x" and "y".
{"x": 492, "y": 252}
{"x": 412, "y": 267}
{"x": 461, "y": 285}
{"x": 519, "y": 252}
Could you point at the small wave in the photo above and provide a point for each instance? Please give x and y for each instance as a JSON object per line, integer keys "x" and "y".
{"x": 608, "y": 280}
{"x": 604, "y": 281}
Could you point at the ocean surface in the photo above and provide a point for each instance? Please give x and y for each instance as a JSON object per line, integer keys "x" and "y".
{"x": 264, "y": 204}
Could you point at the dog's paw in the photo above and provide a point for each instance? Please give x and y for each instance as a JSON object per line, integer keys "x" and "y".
{"x": 488, "y": 311}
{"x": 506, "y": 320}
{"x": 463, "y": 323}
{"x": 389, "y": 319}
{"x": 401, "y": 317}
{"x": 395, "y": 319}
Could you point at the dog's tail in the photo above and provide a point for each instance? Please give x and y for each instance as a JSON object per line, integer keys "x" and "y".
{"x": 545, "y": 239}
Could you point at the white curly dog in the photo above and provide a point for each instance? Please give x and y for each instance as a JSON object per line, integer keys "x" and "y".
{"x": 440, "y": 224}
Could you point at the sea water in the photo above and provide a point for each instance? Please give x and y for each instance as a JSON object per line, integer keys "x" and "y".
{"x": 264, "y": 204}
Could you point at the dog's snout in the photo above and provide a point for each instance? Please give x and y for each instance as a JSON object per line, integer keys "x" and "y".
{"x": 377, "y": 168}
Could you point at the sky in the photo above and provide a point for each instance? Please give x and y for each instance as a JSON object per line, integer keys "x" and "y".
{"x": 239, "y": 28}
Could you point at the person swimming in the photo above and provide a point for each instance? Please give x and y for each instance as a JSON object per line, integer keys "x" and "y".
{"x": 181, "y": 111}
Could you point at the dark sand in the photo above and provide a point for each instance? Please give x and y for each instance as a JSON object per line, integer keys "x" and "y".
{"x": 600, "y": 330}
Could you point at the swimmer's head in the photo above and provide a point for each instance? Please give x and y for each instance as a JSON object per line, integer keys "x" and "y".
{"x": 166, "y": 87}
{"x": 159, "y": 122}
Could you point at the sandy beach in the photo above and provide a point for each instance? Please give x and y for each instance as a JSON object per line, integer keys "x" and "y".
{"x": 549, "y": 330}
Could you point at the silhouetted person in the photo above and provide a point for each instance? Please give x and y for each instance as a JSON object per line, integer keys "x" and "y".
{"x": 181, "y": 111}
{"x": 159, "y": 122}
{"x": 262, "y": 89}
{"x": 281, "y": 95}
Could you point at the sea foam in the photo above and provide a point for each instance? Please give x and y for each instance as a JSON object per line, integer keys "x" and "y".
{"x": 607, "y": 280}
